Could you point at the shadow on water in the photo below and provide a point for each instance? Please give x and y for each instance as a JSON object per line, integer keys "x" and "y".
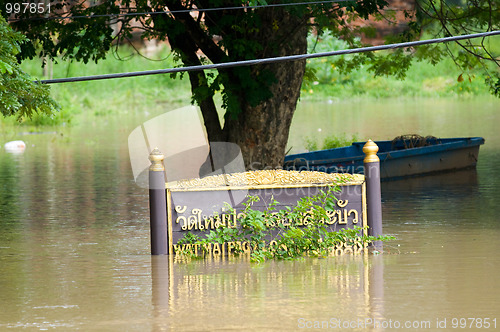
{"x": 460, "y": 184}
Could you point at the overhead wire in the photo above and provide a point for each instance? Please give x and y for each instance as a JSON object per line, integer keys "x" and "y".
{"x": 297, "y": 57}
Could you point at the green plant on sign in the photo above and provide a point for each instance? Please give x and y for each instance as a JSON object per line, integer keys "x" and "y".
{"x": 284, "y": 233}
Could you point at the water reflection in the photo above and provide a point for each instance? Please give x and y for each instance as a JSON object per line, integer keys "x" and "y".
{"x": 9, "y": 193}
{"x": 464, "y": 182}
{"x": 229, "y": 294}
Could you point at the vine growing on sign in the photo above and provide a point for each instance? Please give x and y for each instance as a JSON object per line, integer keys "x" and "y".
{"x": 286, "y": 233}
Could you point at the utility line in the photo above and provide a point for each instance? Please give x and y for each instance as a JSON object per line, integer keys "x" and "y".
{"x": 194, "y": 10}
{"x": 270, "y": 60}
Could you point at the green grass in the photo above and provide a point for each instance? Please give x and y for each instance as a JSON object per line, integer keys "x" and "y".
{"x": 326, "y": 81}
{"x": 422, "y": 80}
{"x": 330, "y": 142}
{"x": 109, "y": 97}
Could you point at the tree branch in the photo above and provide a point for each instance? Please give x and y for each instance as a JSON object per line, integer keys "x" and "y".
{"x": 203, "y": 41}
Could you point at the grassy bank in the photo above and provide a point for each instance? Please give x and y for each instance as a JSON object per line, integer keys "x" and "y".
{"x": 109, "y": 97}
{"x": 147, "y": 93}
{"x": 423, "y": 80}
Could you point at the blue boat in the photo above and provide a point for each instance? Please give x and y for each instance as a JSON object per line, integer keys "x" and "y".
{"x": 405, "y": 156}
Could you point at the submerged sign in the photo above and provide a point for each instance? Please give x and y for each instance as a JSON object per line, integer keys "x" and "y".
{"x": 199, "y": 206}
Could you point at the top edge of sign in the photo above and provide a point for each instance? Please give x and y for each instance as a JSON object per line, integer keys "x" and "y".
{"x": 266, "y": 179}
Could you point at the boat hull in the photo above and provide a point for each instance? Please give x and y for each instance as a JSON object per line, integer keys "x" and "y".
{"x": 396, "y": 162}
{"x": 445, "y": 161}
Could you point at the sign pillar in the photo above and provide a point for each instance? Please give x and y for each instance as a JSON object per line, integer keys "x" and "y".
{"x": 157, "y": 204}
{"x": 373, "y": 192}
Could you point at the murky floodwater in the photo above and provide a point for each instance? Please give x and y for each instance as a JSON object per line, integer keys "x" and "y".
{"x": 74, "y": 240}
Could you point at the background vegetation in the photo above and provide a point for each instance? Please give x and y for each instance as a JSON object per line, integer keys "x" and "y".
{"x": 19, "y": 95}
{"x": 324, "y": 82}
{"x": 330, "y": 142}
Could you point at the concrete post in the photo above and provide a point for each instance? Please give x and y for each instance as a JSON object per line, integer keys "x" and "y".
{"x": 373, "y": 192}
{"x": 157, "y": 204}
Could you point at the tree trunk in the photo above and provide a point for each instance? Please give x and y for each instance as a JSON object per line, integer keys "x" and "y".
{"x": 262, "y": 131}
{"x": 262, "y": 124}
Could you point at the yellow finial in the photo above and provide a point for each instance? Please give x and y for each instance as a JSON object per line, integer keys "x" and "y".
{"x": 156, "y": 158}
{"x": 370, "y": 149}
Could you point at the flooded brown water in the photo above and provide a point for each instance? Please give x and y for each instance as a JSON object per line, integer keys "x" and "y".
{"x": 74, "y": 240}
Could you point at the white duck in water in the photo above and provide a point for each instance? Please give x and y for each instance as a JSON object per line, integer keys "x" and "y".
{"x": 15, "y": 146}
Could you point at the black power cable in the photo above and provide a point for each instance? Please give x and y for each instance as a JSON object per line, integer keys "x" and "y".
{"x": 270, "y": 60}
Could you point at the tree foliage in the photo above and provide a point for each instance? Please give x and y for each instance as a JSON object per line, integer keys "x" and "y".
{"x": 232, "y": 35}
{"x": 435, "y": 19}
{"x": 19, "y": 95}
{"x": 219, "y": 36}
{"x": 258, "y": 101}
{"x": 455, "y": 17}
